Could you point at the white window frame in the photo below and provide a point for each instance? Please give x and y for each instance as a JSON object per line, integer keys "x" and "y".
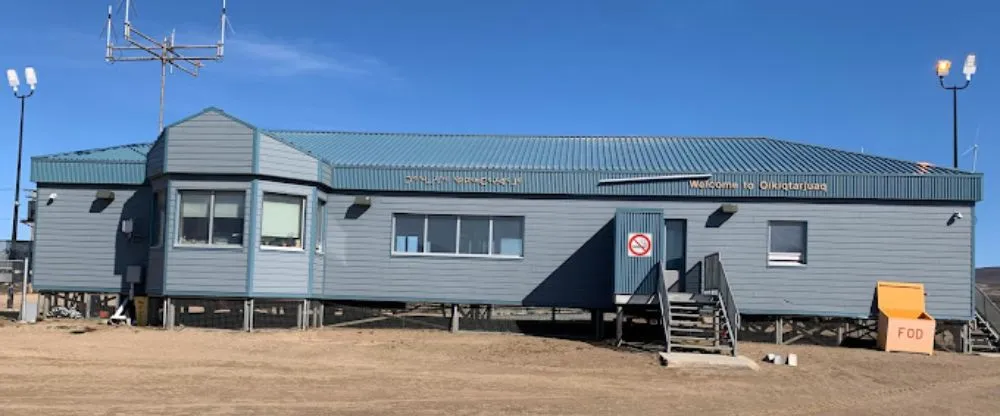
{"x": 785, "y": 259}
{"x": 458, "y": 232}
{"x": 211, "y": 218}
{"x": 160, "y": 213}
{"x": 319, "y": 225}
{"x": 302, "y": 222}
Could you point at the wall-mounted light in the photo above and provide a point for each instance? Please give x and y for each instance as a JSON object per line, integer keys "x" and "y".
{"x": 729, "y": 208}
{"x": 105, "y": 194}
{"x": 363, "y": 200}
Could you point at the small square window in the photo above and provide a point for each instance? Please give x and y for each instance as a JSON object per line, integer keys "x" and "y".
{"x": 786, "y": 242}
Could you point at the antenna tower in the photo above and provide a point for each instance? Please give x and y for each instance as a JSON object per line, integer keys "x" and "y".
{"x": 167, "y": 52}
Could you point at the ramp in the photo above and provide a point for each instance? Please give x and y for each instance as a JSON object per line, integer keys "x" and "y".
{"x": 903, "y": 323}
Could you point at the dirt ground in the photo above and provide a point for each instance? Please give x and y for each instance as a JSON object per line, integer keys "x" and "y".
{"x": 46, "y": 369}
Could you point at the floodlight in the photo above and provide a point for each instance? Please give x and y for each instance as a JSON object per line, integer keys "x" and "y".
{"x": 29, "y": 77}
{"x": 12, "y": 79}
{"x": 970, "y": 66}
{"x": 943, "y": 66}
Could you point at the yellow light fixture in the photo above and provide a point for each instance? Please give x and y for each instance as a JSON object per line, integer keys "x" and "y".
{"x": 943, "y": 66}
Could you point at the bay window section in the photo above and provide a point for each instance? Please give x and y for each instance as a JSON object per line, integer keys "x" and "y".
{"x": 211, "y": 218}
{"x": 282, "y": 221}
{"x": 458, "y": 235}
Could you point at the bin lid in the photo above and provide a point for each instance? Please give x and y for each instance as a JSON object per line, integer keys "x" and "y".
{"x": 907, "y": 298}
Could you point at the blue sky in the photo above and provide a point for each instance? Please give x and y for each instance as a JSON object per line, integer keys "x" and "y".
{"x": 846, "y": 74}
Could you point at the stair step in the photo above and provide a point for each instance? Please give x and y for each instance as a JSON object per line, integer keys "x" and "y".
{"x": 682, "y": 338}
{"x": 710, "y": 331}
{"x": 720, "y": 349}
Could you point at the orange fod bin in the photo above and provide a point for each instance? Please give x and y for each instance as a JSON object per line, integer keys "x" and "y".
{"x": 903, "y": 322}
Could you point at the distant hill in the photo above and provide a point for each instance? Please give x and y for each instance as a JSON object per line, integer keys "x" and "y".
{"x": 988, "y": 276}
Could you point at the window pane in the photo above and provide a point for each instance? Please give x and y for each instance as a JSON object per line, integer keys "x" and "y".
{"x": 227, "y": 219}
{"x": 441, "y": 235}
{"x": 508, "y": 236}
{"x": 194, "y": 217}
{"x": 474, "y": 235}
{"x": 409, "y": 233}
{"x": 319, "y": 224}
{"x": 788, "y": 237}
{"x": 281, "y": 225}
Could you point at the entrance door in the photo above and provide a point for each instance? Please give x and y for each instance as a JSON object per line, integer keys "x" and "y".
{"x": 675, "y": 249}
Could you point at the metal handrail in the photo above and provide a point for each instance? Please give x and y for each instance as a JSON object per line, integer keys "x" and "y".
{"x": 664, "y": 301}
{"x": 715, "y": 280}
{"x": 988, "y": 310}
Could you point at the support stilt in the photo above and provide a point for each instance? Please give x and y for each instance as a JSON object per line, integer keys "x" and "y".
{"x": 454, "y": 318}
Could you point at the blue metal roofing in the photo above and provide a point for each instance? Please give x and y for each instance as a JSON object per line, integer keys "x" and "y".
{"x": 125, "y": 164}
{"x": 124, "y": 153}
{"x": 568, "y": 165}
{"x": 592, "y": 153}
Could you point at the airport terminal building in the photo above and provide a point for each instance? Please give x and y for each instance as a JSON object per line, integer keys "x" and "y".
{"x": 219, "y": 208}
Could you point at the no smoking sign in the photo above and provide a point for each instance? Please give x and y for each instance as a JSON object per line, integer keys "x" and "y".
{"x": 640, "y": 245}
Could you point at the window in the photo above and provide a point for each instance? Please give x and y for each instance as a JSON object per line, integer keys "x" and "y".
{"x": 281, "y": 225}
{"x": 786, "y": 242}
{"x": 319, "y": 225}
{"x": 409, "y": 236}
{"x": 159, "y": 213}
{"x": 459, "y": 235}
{"x": 211, "y": 218}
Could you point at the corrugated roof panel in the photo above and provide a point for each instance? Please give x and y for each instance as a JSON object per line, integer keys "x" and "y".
{"x": 591, "y": 153}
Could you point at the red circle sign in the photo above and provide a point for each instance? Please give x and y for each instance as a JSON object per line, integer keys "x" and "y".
{"x": 639, "y": 245}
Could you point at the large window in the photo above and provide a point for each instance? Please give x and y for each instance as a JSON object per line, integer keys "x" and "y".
{"x": 211, "y": 218}
{"x": 786, "y": 242}
{"x": 282, "y": 221}
{"x": 459, "y": 235}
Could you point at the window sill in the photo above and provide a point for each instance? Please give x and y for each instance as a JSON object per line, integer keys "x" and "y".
{"x": 209, "y": 246}
{"x": 457, "y": 256}
{"x": 285, "y": 249}
{"x": 784, "y": 264}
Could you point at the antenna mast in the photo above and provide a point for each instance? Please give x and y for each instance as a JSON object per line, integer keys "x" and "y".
{"x": 167, "y": 52}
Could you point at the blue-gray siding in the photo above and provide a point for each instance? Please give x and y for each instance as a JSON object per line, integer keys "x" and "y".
{"x": 204, "y": 271}
{"x": 279, "y": 272}
{"x": 209, "y": 143}
{"x": 154, "y": 159}
{"x": 154, "y": 273}
{"x": 569, "y": 256}
{"x": 635, "y": 274}
{"x": 281, "y": 160}
{"x": 78, "y": 242}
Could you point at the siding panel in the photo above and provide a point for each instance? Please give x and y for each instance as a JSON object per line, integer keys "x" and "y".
{"x": 204, "y": 270}
{"x": 210, "y": 143}
{"x": 78, "y": 243}
{"x": 569, "y": 254}
{"x": 281, "y": 160}
{"x": 283, "y": 272}
{"x": 154, "y": 159}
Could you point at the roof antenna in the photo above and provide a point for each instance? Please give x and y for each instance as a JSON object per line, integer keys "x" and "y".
{"x": 974, "y": 149}
{"x": 167, "y": 52}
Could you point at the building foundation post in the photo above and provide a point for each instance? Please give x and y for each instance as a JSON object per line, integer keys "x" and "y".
{"x": 454, "y": 318}
{"x": 619, "y": 322}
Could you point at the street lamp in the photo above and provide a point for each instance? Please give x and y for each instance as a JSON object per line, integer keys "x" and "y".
{"x": 14, "y": 82}
{"x": 943, "y": 66}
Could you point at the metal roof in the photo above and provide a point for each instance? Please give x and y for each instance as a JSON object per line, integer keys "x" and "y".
{"x": 135, "y": 153}
{"x": 592, "y": 153}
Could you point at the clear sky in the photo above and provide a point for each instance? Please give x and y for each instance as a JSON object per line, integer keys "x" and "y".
{"x": 849, "y": 74}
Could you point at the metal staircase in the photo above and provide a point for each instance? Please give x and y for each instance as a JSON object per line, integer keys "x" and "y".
{"x": 702, "y": 322}
{"x": 985, "y": 329}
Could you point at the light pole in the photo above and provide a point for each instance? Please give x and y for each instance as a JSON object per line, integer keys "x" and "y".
{"x": 32, "y": 80}
{"x": 943, "y": 66}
